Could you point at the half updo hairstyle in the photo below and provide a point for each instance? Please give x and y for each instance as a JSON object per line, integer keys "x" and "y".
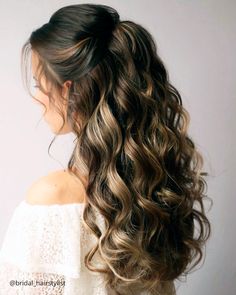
{"x": 143, "y": 171}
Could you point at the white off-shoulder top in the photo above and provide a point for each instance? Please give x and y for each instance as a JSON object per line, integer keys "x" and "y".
{"x": 43, "y": 252}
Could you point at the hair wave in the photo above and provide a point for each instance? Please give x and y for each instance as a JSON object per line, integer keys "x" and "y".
{"x": 143, "y": 171}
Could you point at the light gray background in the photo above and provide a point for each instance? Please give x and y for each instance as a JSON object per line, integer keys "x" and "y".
{"x": 196, "y": 40}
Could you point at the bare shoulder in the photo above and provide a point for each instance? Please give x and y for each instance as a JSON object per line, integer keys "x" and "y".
{"x": 58, "y": 187}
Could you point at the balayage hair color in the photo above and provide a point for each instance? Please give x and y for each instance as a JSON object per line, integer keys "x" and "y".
{"x": 142, "y": 169}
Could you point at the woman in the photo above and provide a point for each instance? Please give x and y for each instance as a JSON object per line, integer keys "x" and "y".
{"x": 120, "y": 218}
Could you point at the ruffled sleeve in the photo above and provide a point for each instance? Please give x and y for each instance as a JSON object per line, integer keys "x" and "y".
{"x": 43, "y": 253}
{"x": 41, "y": 250}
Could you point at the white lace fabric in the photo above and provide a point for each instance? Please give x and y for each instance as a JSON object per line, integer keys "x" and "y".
{"x": 43, "y": 252}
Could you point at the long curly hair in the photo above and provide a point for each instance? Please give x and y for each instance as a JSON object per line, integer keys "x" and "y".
{"x": 143, "y": 171}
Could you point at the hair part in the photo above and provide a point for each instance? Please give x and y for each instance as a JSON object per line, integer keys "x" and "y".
{"x": 143, "y": 171}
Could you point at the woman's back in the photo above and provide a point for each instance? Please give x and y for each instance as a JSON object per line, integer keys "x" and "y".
{"x": 46, "y": 242}
{"x": 101, "y": 78}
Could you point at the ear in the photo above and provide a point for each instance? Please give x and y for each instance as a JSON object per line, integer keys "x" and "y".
{"x": 65, "y": 88}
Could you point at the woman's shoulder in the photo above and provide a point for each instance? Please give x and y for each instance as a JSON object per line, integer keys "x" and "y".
{"x": 57, "y": 187}
{"x": 45, "y": 238}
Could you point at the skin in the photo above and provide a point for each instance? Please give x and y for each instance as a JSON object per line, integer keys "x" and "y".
{"x": 58, "y": 187}
{"x": 54, "y": 120}
{"x": 51, "y": 116}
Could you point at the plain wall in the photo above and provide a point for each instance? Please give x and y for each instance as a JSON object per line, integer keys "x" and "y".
{"x": 196, "y": 41}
